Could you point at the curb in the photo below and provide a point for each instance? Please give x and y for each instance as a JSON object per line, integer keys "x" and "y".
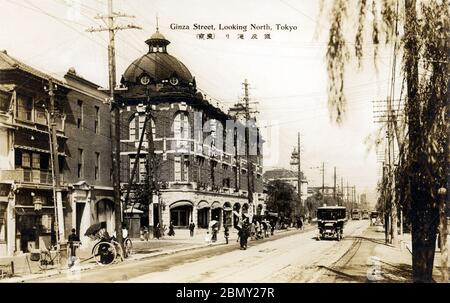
{"x": 134, "y": 258}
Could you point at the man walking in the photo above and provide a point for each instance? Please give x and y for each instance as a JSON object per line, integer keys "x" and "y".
{"x": 243, "y": 235}
{"x": 191, "y": 228}
{"x": 74, "y": 242}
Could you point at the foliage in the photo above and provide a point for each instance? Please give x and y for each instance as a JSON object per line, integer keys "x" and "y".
{"x": 424, "y": 43}
{"x": 281, "y": 198}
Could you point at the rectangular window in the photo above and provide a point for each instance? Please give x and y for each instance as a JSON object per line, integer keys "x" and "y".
{"x": 132, "y": 160}
{"x": 81, "y": 115}
{"x": 142, "y": 169}
{"x": 41, "y": 116}
{"x": 97, "y": 120}
{"x": 25, "y": 108}
{"x": 80, "y": 163}
{"x": 36, "y": 163}
{"x": 97, "y": 166}
{"x": 26, "y": 162}
{"x": 133, "y": 130}
{"x": 3, "y": 209}
{"x": 177, "y": 163}
{"x": 186, "y": 169}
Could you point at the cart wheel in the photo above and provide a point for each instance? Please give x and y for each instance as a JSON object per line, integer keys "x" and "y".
{"x": 105, "y": 253}
{"x": 128, "y": 247}
{"x": 95, "y": 248}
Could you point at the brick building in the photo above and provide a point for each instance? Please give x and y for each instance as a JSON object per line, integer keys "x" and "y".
{"x": 201, "y": 166}
{"x": 84, "y": 149}
{"x": 290, "y": 177}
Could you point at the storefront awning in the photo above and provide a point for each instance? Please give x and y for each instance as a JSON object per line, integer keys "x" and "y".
{"x": 181, "y": 203}
{"x": 202, "y": 204}
{"x": 39, "y": 150}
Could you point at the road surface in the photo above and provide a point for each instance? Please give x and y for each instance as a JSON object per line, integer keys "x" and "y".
{"x": 294, "y": 257}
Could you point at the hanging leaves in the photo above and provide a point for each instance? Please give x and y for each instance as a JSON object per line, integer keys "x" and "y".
{"x": 359, "y": 39}
{"x": 337, "y": 56}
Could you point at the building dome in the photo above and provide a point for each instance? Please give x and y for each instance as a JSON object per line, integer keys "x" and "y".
{"x": 158, "y": 66}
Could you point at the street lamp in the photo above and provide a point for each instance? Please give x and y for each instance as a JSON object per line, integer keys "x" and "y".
{"x": 37, "y": 202}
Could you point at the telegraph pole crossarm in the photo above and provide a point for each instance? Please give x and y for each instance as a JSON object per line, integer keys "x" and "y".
{"x": 111, "y": 28}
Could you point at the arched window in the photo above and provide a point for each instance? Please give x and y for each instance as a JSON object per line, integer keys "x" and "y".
{"x": 136, "y": 127}
{"x": 182, "y": 130}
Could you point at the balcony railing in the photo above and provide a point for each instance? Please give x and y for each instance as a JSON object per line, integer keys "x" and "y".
{"x": 28, "y": 176}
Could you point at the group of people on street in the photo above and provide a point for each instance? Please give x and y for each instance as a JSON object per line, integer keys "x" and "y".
{"x": 260, "y": 229}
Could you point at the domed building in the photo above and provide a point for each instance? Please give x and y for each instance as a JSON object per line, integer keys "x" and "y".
{"x": 196, "y": 171}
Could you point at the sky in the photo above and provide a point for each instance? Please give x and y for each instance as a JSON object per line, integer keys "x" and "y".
{"x": 287, "y": 74}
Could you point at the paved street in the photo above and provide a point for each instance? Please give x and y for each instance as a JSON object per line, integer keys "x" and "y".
{"x": 288, "y": 257}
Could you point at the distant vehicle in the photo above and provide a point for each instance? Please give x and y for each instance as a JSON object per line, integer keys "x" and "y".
{"x": 374, "y": 217}
{"x": 330, "y": 221}
{"x": 365, "y": 214}
{"x": 356, "y": 214}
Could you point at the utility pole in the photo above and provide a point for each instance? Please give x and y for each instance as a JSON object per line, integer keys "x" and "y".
{"x": 342, "y": 189}
{"x": 323, "y": 182}
{"x": 334, "y": 189}
{"x": 299, "y": 172}
{"x": 296, "y": 160}
{"x": 442, "y": 192}
{"x": 56, "y": 172}
{"x": 153, "y": 185}
{"x": 247, "y": 145}
{"x": 115, "y": 133}
{"x": 346, "y": 196}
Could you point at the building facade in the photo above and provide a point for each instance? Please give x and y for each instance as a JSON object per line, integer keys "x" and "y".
{"x": 199, "y": 162}
{"x": 290, "y": 177}
{"x": 27, "y": 212}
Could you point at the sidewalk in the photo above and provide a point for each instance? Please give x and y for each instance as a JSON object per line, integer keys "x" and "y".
{"x": 372, "y": 260}
{"x": 28, "y": 270}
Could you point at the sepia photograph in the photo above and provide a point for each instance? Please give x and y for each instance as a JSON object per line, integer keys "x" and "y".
{"x": 221, "y": 147}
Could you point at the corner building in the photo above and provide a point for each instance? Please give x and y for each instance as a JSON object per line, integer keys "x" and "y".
{"x": 201, "y": 168}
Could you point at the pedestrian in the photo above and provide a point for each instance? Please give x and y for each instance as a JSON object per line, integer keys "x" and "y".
{"x": 299, "y": 223}
{"x": 245, "y": 233}
{"x": 191, "y": 228}
{"x": 171, "y": 229}
{"x": 264, "y": 228}
{"x": 269, "y": 227}
{"x": 208, "y": 238}
{"x": 157, "y": 233}
{"x": 226, "y": 234}
{"x": 257, "y": 230}
{"x": 272, "y": 228}
{"x": 74, "y": 242}
{"x": 214, "y": 234}
{"x": 252, "y": 230}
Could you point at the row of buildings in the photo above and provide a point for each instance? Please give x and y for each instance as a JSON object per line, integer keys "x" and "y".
{"x": 201, "y": 172}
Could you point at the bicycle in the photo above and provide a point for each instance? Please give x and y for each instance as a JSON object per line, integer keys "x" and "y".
{"x": 47, "y": 258}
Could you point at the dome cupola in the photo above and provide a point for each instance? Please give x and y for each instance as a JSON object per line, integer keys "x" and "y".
{"x": 158, "y": 69}
{"x": 157, "y": 43}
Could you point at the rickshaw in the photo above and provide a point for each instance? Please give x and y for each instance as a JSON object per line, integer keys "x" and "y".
{"x": 330, "y": 221}
{"x": 107, "y": 249}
